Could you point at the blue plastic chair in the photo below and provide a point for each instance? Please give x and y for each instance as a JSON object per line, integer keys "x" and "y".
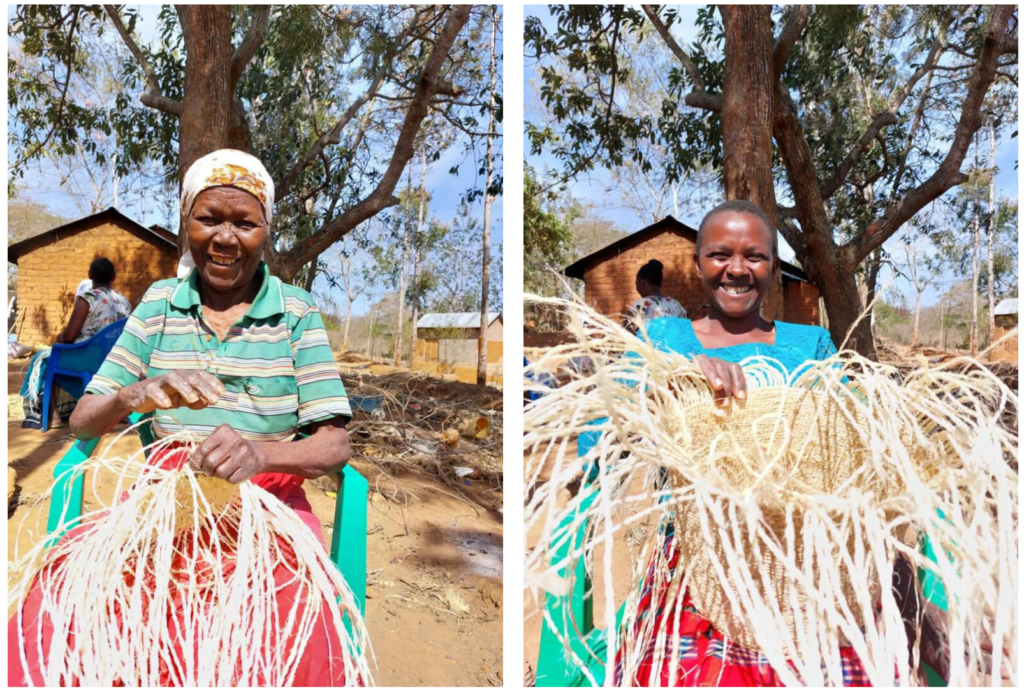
{"x": 72, "y": 366}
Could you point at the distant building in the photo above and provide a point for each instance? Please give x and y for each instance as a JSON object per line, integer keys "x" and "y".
{"x": 448, "y": 343}
{"x": 609, "y": 274}
{"x": 52, "y": 263}
{"x": 1006, "y": 321}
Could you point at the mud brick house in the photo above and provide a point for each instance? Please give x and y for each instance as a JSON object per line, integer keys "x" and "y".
{"x": 1005, "y": 315}
{"x": 609, "y": 274}
{"x": 52, "y": 263}
{"x": 448, "y": 343}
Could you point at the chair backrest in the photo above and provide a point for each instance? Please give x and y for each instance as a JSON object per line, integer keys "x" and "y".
{"x": 87, "y": 356}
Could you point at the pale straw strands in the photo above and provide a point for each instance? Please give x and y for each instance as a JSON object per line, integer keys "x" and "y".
{"x": 135, "y": 597}
{"x": 787, "y": 512}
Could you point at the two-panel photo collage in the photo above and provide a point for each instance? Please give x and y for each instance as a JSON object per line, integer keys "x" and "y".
{"x": 266, "y": 270}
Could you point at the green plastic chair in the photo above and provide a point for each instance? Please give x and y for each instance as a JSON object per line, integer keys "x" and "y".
{"x": 348, "y": 541}
{"x": 555, "y": 668}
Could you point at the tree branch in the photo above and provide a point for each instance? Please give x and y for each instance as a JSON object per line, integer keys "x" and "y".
{"x": 918, "y": 114}
{"x": 333, "y": 136}
{"x": 885, "y": 165}
{"x": 885, "y": 118}
{"x": 652, "y": 14}
{"x": 63, "y": 93}
{"x": 153, "y": 96}
{"x": 251, "y": 43}
{"x": 383, "y": 195}
{"x": 948, "y": 174}
{"x": 795, "y": 25}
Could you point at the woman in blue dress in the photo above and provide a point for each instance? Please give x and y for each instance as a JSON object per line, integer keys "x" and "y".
{"x": 736, "y": 254}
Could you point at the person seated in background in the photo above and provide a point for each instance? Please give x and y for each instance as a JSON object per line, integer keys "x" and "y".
{"x": 652, "y": 303}
{"x": 97, "y": 305}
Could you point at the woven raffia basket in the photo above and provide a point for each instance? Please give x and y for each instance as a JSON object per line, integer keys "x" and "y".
{"x": 818, "y": 446}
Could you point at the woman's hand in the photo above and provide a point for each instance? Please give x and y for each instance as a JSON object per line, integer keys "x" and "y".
{"x": 226, "y": 455}
{"x": 726, "y": 378}
{"x": 189, "y": 388}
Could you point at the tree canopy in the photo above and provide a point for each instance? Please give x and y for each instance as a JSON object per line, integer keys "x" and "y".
{"x": 331, "y": 98}
{"x": 872, "y": 110}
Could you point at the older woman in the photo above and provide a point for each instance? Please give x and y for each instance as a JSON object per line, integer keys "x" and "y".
{"x": 232, "y": 354}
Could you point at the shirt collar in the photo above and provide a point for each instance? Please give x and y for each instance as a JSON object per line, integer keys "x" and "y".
{"x": 269, "y": 301}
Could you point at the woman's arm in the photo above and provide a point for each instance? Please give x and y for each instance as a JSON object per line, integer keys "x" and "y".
{"x": 96, "y": 414}
{"x": 225, "y": 454}
{"x": 324, "y": 451}
{"x": 74, "y": 327}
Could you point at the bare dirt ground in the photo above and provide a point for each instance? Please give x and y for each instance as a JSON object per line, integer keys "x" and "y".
{"x": 434, "y": 603}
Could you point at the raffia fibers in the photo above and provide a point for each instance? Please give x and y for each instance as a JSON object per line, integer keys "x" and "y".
{"x": 108, "y": 591}
{"x": 788, "y": 511}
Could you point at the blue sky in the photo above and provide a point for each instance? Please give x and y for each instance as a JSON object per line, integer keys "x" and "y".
{"x": 446, "y": 189}
{"x": 594, "y": 189}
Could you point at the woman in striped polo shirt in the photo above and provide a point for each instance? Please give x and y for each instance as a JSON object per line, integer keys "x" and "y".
{"x": 232, "y": 354}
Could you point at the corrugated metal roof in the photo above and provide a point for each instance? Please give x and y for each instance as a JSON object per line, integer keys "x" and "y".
{"x": 1006, "y": 307}
{"x": 454, "y": 320}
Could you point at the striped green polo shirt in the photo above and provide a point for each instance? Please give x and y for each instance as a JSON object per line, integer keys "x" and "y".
{"x": 275, "y": 362}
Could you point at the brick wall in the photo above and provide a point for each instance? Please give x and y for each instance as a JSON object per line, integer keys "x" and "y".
{"x": 494, "y": 332}
{"x": 428, "y": 351}
{"x": 610, "y": 286}
{"x": 49, "y": 275}
{"x": 1007, "y": 350}
{"x": 800, "y": 303}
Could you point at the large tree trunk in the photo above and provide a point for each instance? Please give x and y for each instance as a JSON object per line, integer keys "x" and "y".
{"x": 822, "y": 259}
{"x": 747, "y": 118}
{"x": 485, "y": 276}
{"x": 209, "y": 120}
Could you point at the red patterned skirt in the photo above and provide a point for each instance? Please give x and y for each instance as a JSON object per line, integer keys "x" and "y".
{"x": 702, "y": 658}
{"x": 315, "y": 667}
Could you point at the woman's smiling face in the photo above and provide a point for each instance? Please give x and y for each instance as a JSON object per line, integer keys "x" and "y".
{"x": 735, "y": 262}
{"x": 227, "y": 231}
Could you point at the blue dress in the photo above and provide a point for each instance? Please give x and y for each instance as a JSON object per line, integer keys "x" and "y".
{"x": 794, "y": 343}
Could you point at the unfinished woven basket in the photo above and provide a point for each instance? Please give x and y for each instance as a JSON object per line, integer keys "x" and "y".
{"x": 783, "y": 443}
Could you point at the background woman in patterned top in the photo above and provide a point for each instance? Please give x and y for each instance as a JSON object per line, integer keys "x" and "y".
{"x": 240, "y": 359}
{"x": 652, "y": 303}
{"x": 97, "y": 305}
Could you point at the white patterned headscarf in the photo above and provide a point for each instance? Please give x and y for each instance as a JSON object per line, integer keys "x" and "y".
{"x": 225, "y": 167}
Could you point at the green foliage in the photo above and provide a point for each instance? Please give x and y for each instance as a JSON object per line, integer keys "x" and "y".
{"x": 546, "y": 235}
{"x": 311, "y": 67}
{"x": 848, "y": 63}
{"x": 887, "y": 315}
{"x": 595, "y": 131}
